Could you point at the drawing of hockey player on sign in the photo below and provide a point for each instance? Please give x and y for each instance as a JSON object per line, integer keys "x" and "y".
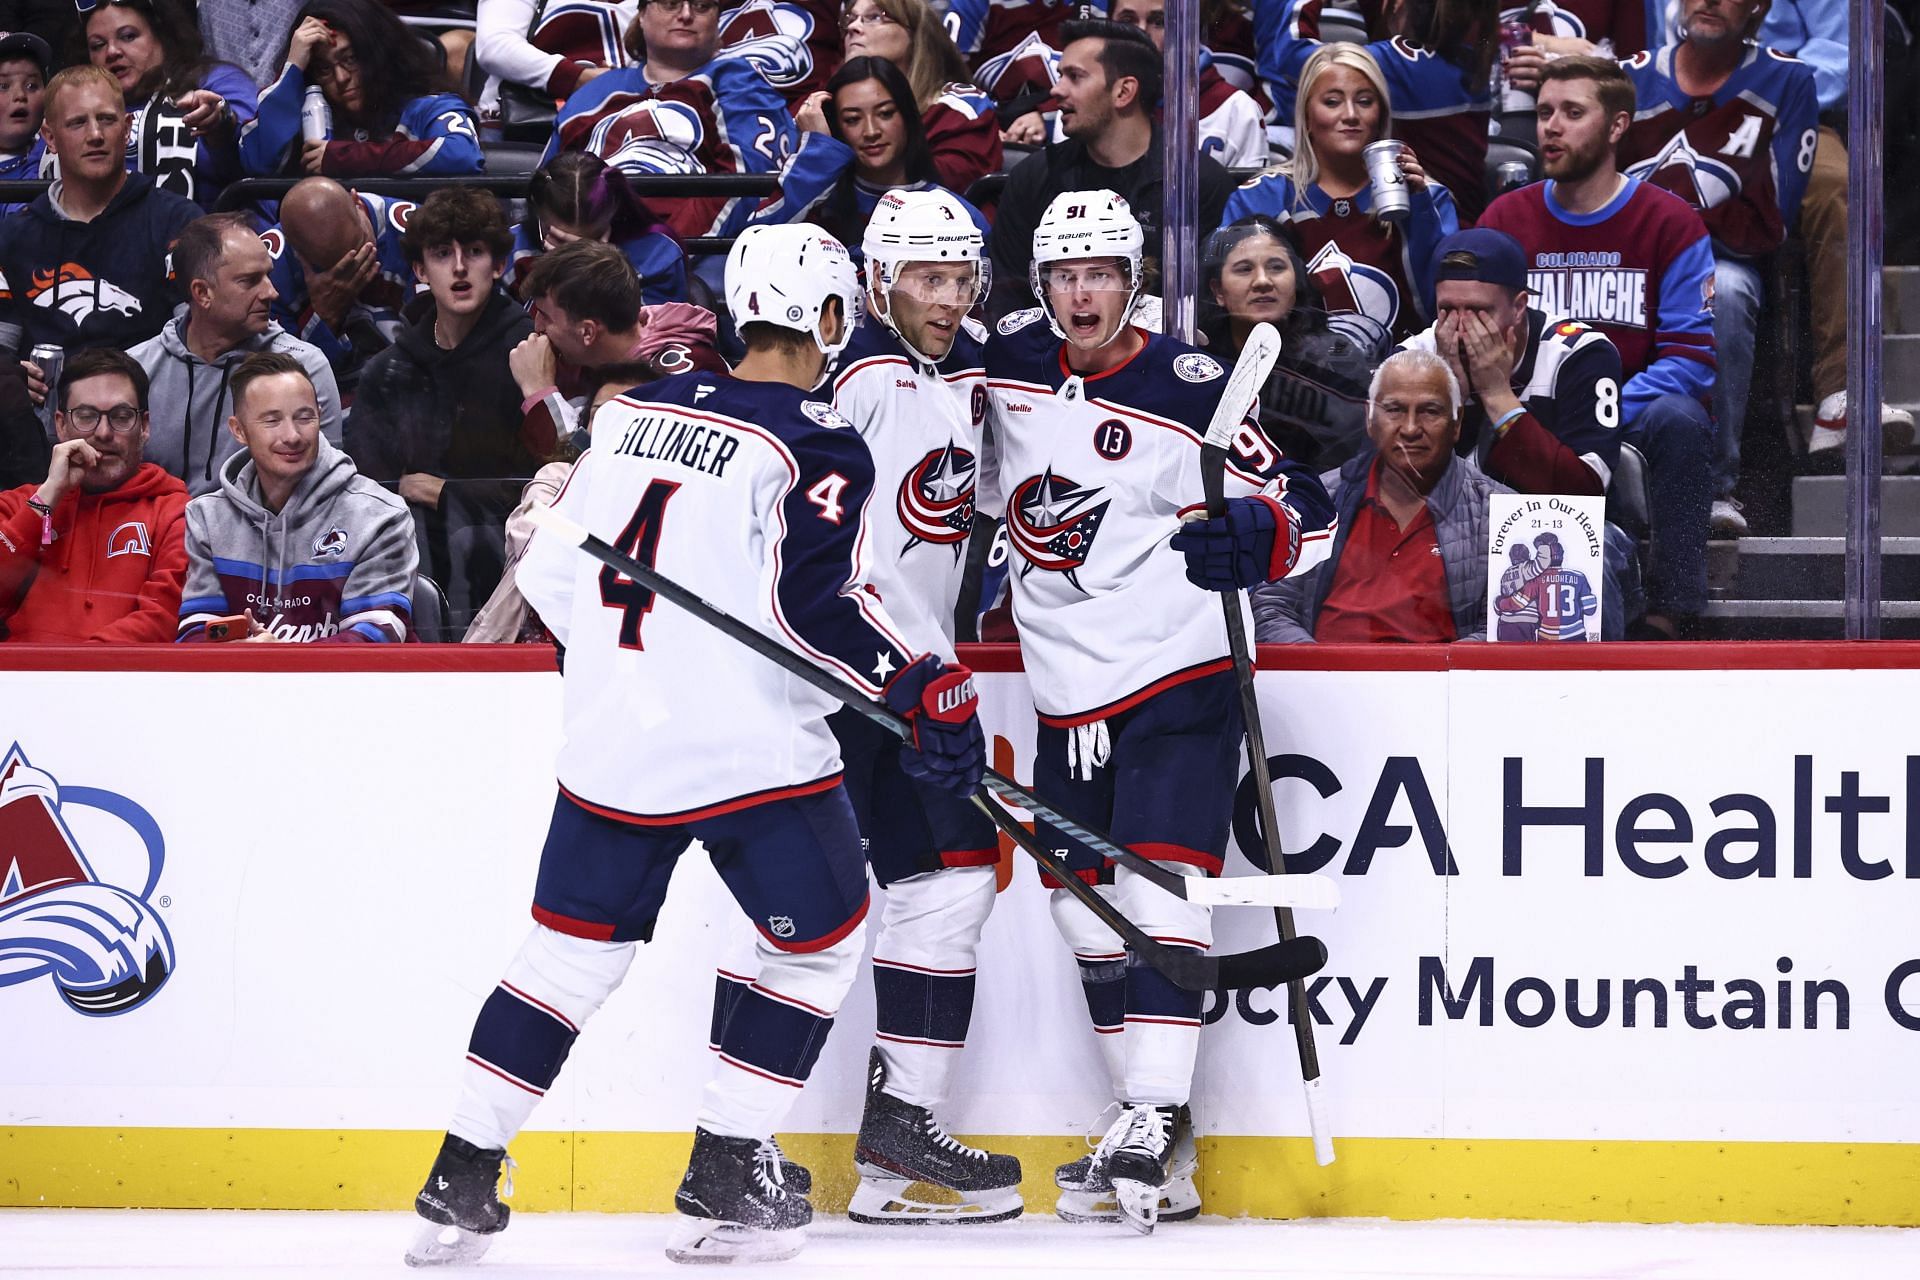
{"x": 1558, "y": 598}
{"x": 1543, "y": 557}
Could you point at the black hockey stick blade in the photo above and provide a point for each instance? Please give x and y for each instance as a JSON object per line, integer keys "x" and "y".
{"x": 1290, "y": 961}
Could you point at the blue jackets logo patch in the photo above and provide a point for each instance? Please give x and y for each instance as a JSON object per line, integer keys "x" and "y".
{"x": 936, "y": 499}
{"x": 83, "y": 917}
{"x": 1052, "y": 522}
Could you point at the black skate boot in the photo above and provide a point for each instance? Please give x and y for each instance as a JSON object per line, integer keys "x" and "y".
{"x": 1140, "y": 1161}
{"x": 1086, "y": 1187}
{"x": 796, "y": 1175}
{"x": 459, "y": 1201}
{"x": 736, "y": 1205}
{"x": 901, "y": 1144}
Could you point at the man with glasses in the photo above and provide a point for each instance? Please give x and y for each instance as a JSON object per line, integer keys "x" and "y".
{"x": 296, "y": 546}
{"x": 225, "y": 271}
{"x": 96, "y": 551}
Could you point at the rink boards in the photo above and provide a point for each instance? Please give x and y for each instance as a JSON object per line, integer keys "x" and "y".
{"x": 1624, "y": 938}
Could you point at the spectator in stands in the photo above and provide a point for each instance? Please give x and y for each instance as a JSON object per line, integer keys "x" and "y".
{"x": 341, "y": 270}
{"x": 683, "y": 109}
{"x": 1635, "y": 262}
{"x": 223, "y": 268}
{"x": 1409, "y": 561}
{"x": 549, "y": 50}
{"x": 957, "y": 116}
{"x": 587, "y": 314}
{"x": 984, "y": 30}
{"x": 24, "y": 63}
{"x": 1372, "y": 273}
{"x": 1233, "y": 127}
{"x": 1436, "y": 58}
{"x": 389, "y": 107}
{"x": 251, "y": 36}
{"x": 859, "y": 139}
{"x": 191, "y": 108}
{"x": 1608, "y": 28}
{"x": 578, "y": 196}
{"x": 797, "y": 43}
{"x": 1815, "y": 31}
{"x": 85, "y": 265}
{"x": 1109, "y": 83}
{"x": 1730, "y": 128}
{"x": 295, "y": 539}
{"x": 96, "y": 551}
{"x": 1314, "y": 403}
{"x": 438, "y": 413}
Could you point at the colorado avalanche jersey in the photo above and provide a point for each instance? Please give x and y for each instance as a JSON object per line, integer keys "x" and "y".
{"x": 985, "y": 29}
{"x": 922, "y": 423}
{"x": 754, "y": 495}
{"x": 560, "y": 40}
{"x": 434, "y": 135}
{"x": 810, "y": 178}
{"x": 1639, "y": 269}
{"x": 1616, "y": 26}
{"x": 1741, "y": 157}
{"x": 379, "y": 304}
{"x": 802, "y": 61}
{"x": 1379, "y": 270}
{"x": 1093, "y": 475}
{"x": 964, "y": 136}
{"x": 724, "y": 118}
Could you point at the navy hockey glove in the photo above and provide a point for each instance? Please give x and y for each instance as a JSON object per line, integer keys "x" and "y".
{"x": 948, "y": 748}
{"x": 1256, "y": 541}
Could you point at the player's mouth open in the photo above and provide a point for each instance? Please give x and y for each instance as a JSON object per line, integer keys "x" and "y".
{"x": 1085, "y": 323}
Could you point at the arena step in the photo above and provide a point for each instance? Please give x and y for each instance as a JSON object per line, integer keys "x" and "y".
{"x": 1801, "y": 620}
{"x": 1900, "y": 300}
{"x": 1776, "y": 569}
{"x": 1820, "y": 507}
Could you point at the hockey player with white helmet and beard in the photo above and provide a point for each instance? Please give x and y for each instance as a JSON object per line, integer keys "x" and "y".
{"x": 911, "y": 382}
{"x": 752, "y": 492}
{"x": 1096, "y": 427}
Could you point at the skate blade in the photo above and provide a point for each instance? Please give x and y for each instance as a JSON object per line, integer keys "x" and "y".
{"x": 1179, "y": 1202}
{"x": 891, "y": 1202}
{"x": 1139, "y": 1204}
{"x": 702, "y": 1240}
{"x": 438, "y": 1246}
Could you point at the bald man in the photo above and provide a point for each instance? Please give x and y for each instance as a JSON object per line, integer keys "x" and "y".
{"x": 341, "y": 271}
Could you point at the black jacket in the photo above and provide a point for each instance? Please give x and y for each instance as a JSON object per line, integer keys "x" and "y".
{"x": 1066, "y": 166}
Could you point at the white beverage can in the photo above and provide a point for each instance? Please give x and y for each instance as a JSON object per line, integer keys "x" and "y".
{"x": 316, "y": 117}
{"x": 1390, "y": 200}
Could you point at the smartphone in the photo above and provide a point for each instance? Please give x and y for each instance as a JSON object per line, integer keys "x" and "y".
{"x": 233, "y": 627}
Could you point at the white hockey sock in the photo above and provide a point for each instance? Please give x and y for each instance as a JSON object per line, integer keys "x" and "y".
{"x": 923, "y": 977}
{"x": 1163, "y": 1021}
{"x": 1102, "y": 959}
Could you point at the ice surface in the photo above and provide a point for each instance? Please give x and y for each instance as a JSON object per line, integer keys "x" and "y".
{"x": 222, "y": 1245}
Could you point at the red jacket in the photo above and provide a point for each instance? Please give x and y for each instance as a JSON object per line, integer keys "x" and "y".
{"x": 113, "y": 571}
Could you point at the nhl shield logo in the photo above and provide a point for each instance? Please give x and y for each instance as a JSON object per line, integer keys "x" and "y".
{"x": 780, "y": 926}
{"x": 78, "y": 867}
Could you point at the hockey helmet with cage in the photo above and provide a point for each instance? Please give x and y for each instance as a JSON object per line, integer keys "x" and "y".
{"x": 921, "y": 226}
{"x": 783, "y": 275}
{"x": 1087, "y": 224}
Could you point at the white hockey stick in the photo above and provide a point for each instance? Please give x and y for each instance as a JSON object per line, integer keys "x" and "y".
{"x": 1250, "y": 374}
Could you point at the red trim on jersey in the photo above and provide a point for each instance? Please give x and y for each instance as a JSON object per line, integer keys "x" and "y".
{"x": 1282, "y": 562}
{"x": 1153, "y": 852}
{"x": 588, "y": 929}
{"x": 1132, "y": 700}
{"x": 513, "y": 1080}
{"x": 740, "y": 978}
{"x": 1068, "y": 371}
{"x": 1096, "y": 957}
{"x": 920, "y": 968}
{"x": 751, "y": 800}
{"x": 858, "y": 365}
{"x": 1172, "y": 941}
{"x": 732, "y": 1061}
{"x": 819, "y": 944}
{"x": 542, "y": 1006}
{"x": 1164, "y": 1022}
{"x": 969, "y": 857}
{"x": 1108, "y": 1031}
{"x": 1090, "y": 876}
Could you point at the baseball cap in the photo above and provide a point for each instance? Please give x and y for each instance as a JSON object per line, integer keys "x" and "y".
{"x": 1482, "y": 254}
{"x": 14, "y": 44}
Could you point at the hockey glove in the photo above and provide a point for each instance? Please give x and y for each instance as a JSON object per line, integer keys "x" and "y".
{"x": 948, "y": 748}
{"x": 1256, "y": 541}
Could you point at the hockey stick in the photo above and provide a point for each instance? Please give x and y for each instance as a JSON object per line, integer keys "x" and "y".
{"x": 1250, "y": 373}
{"x": 1265, "y": 967}
{"x": 1306, "y": 892}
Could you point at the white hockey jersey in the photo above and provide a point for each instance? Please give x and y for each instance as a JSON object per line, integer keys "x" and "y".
{"x": 922, "y": 424}
{"x": 752, "y": 494}
{"x": 1094, "y": 475}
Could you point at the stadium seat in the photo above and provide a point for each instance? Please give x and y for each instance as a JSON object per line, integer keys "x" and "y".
{"x": 1628, "y": 503}
{"x": 430, "y": 611}
{"x": 505, "y": 159}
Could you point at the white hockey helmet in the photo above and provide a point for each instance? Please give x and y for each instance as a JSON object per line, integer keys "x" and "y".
{"x": 783, "y": 275}
{"x": 1087, "y": 224}
{"x": 921, "y": 226}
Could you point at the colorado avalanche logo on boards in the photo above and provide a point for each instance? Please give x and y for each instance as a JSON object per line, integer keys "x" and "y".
{"x": 103, "y": 945}
{"x": 1053, "y": 523}
{"x": 936, "y": 499}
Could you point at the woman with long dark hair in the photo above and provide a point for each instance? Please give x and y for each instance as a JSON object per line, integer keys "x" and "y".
{"x": 1314, "y": 404}
{"x": 153, "y": 49}
{"x": 361, "y": 95}
{"x": 1375, "y": 274}
{"x": 860, "y": 138}
{"x": 578, "y": 196}
{"x": 962, "y": 131}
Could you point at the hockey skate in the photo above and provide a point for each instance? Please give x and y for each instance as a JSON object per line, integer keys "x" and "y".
{"x": 901, "y": 1145}
{"x": 460, "y": 1204}
{"x": 735, "y": 1204}
{"x": 1087, "y": 1190}
{"x": 796, "y": 1175}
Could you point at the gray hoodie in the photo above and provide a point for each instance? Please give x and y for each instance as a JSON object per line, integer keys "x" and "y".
{"x": 189, "y": 404}
{"x": 336, "y": 563}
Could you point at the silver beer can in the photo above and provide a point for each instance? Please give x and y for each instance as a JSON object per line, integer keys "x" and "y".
{"x": 1511, "y": 175}
{"x": 1390, "y": 200}
{"x": 50, "y": 360}
{"x": 316, "y": 117}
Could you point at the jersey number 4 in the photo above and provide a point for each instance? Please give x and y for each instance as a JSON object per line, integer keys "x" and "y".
{"x": 641, "y": 540}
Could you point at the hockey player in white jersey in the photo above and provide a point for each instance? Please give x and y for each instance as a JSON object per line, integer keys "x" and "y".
{"x": 1097, "y": 426}
{"x": 753, "y": 493}
{"x": 913, "y": 386}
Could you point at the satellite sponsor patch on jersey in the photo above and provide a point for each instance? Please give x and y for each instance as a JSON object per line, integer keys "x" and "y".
{"x": 824, "y": 414}
{"x": 1195, "y": 367}
{"x": 1015, "y": 321}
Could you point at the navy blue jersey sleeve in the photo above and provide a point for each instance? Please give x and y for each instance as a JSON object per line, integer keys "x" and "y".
{"x": 820, "y": 600}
